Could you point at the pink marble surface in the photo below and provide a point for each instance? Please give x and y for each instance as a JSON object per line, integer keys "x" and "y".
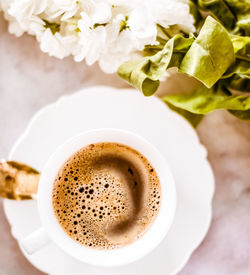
{"x": 30, "y": 79}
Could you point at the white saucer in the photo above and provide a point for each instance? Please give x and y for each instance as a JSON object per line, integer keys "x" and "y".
{"x": 126, "y": 109}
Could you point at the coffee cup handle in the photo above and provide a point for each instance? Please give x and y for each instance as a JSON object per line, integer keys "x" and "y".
{"x": 35, "y": 241}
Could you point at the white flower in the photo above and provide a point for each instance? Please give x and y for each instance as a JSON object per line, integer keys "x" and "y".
{"x": 106, "y": 31}
{"x": 64, "y": 9}
{"x": 22, "y": 15}
{"x": 92, "y": 33}
{"x": 126, "y": 36}
{"x": 91, "y": 40}
{"x": 26, "y": 16}
{"x": 171, "y": 12}
{"x": 142, "y": 27}
{"x": 56, "y": 44}
{"x": 99, "y": 12}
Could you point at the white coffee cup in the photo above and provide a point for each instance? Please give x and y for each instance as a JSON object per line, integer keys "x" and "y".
{"x": 51, "y": 229}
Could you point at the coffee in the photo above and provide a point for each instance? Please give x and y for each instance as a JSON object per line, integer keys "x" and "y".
{"x": 106, "y": 195}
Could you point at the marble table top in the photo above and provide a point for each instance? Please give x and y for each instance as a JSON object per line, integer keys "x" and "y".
{"x": 29, "y": 79}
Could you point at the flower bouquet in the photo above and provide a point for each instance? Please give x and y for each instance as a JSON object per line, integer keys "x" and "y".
{"x": 140, "y": 40}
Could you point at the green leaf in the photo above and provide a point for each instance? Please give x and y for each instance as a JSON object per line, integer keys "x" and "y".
{"x": 193, "y": 8}
{"x": 244, "y": 23}
{"x": 171, "y": 31}
{"x": 241, "y": 45}
{"x": 240, "y": 68}
{"x": 193, "y": 119}
{"x": 238, "y": 6}
{"x": 144, "y": 74}
{"x": 238, "y": 76}
{"x": 216, "y": 58}
{"x": 206, "y": 59}
{"x": 243, "y": 115}
{"x": 238, "y": 83}
{"x": 204, "y": 100}
{"x": 233, "y": 14}
{"x": 220, "y": 10}
{"x": 210, "y": 55}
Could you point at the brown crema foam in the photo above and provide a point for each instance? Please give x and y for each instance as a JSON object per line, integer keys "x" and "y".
{"x": 106, "y": 195}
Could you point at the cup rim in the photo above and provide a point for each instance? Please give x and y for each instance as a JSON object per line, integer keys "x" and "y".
{"x": 129, "y": 253}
